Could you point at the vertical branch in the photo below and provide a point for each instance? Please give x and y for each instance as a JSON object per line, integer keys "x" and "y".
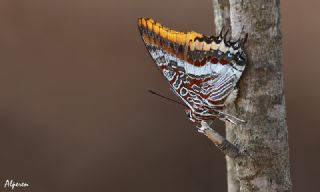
{"x": 261, "y": 101}
{"x": 264, "y": 138}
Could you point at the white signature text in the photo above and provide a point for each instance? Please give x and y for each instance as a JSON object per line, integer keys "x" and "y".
{"x": 12, "y": 184}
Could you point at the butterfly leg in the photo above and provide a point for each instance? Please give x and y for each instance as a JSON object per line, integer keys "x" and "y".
{"x": 226, "y": 116}
{"x": 229, "y": 120}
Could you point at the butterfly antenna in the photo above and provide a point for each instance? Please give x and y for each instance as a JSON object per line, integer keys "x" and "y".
{"x": 167, "y": 98}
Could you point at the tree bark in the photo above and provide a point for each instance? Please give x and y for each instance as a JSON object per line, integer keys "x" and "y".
{"x": 263, "y": 140}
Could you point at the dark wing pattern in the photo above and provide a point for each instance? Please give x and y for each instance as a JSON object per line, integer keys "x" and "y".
{"x": 202, "y": 71}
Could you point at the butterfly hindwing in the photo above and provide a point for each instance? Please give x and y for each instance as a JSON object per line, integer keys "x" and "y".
{"x": 201, "y": 70}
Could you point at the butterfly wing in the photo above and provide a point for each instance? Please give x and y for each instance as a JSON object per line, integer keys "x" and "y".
{"x": 167, "y": 55}
{"x": 201, "y": 70}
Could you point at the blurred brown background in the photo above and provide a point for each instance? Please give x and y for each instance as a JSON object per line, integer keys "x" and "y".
{"x": 75, "y": 114}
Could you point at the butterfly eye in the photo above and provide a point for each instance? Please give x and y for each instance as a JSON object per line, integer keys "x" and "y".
{"x": 230, "y": 55}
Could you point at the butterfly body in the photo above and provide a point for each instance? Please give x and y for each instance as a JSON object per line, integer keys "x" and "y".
{"x": 202, "y": 71}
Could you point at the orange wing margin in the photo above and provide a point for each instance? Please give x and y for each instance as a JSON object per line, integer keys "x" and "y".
{"x": 173, "y": 36}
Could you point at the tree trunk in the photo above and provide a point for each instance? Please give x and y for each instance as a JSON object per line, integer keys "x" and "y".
{"x": 263, "y": 140}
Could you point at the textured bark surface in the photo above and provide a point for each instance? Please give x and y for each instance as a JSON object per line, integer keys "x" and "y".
{"x": 263, "y": 140}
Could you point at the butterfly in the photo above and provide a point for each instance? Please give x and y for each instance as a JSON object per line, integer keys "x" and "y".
{"x": 202, "y": 71}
